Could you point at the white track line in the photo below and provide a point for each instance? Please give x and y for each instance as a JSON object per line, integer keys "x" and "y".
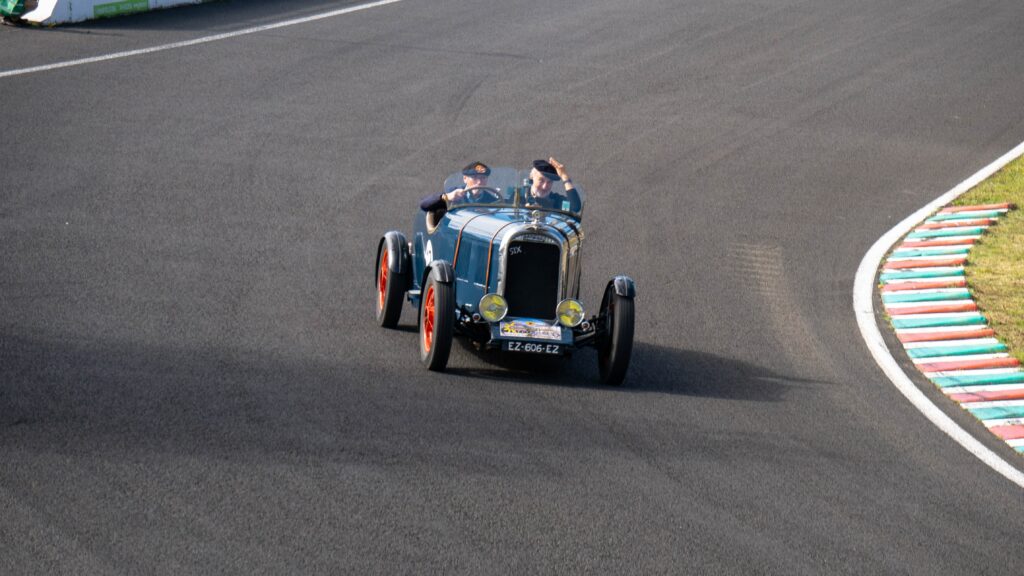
{"x": 926, "y": 257}
{"x": 981, "y": 388}
{"x": 203, "y": 40}
{"x": 978, "y": 372}
{"x": 929, "y": 239}
{"x": 953, "y": 343}
{"x": 993, "y": 404}
{"x": 864, "y": 309}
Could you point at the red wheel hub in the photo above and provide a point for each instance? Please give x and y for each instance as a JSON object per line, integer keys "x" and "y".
{"x": 382, "y": 280}
{"x": 428, "y": 320}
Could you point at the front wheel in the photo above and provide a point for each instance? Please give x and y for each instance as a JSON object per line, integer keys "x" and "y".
{"x": 616, "y": 344}
{"x": 437, "y": 314}
{"x": 390, "y": 291}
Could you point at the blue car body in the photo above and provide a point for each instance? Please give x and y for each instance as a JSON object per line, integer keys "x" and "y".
{"x": 507, "y": 246}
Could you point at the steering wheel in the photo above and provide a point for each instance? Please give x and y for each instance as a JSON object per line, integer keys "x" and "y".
{"x": 480, "y": 195}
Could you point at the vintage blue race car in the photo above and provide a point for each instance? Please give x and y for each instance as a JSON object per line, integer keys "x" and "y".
{"x": 506, "y": 274}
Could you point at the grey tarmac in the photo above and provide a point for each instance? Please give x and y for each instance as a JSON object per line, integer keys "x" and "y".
{"x": 190, "y": 375}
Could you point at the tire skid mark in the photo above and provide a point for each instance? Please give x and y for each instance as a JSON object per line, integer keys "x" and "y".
{"x": 759, "y": 269}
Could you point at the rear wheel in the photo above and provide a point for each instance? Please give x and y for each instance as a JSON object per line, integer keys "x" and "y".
{"x": 390, "y": 291}
{"x": 437, "y": 313}
{"x": 616, "y": 344}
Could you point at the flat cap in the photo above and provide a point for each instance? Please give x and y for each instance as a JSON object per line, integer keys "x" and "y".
{"x": 547, "y": 170}
{"x": 476, "y": 169}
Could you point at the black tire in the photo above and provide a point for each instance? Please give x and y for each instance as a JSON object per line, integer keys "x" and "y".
{"x": 616, "y": 346}
{"x": 436, "y": 319}
{"x": 390, "y": 290}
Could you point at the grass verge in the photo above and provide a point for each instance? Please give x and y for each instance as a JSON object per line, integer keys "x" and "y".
{"x": 995, "y": 269}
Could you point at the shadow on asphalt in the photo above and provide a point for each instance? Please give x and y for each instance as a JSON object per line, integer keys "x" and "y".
{"x": 109, "y": 394}
{"x": 653, "y": 368}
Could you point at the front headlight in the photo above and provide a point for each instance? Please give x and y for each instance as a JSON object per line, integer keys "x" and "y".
{"x": 570, "y": 313}
{"x": 493, "y": 307}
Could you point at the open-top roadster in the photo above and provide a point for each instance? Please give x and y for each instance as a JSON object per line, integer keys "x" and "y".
{"x": 504, "y": 273}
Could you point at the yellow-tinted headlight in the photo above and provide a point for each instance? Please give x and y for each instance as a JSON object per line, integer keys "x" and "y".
{"x": 570, "y": 313}
{"x": 493, "y": 307}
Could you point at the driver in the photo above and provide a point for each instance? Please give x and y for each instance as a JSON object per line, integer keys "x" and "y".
{"x": 543, "y": 174}
{"x": 473, "y": 176}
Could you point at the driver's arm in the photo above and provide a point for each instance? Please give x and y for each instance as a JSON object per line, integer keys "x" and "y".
{"x": 575, "y": 202}
{"x": 433, "y": 202}
{"x": 440, "y": 200}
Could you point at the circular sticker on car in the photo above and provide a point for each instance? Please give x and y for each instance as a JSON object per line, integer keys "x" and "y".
{"x": 428, "y": 253}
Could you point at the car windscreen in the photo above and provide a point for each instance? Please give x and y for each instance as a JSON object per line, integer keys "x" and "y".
{"x": 508, "y": 187}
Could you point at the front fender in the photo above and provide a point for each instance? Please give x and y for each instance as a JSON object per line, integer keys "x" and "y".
{"x": 444, "y": 272}
{"x": 623, "y": 286}
{"x": 399, "y": 261}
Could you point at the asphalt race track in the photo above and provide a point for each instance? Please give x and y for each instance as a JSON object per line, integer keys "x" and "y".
{"x": 191, "y": 379}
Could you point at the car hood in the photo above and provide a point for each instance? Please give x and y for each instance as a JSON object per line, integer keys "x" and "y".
{"x": 493, "y": 225}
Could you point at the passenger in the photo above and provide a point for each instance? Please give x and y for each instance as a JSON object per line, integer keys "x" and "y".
{"x": 473, "y": 176}
{"x": 543, "y": 174}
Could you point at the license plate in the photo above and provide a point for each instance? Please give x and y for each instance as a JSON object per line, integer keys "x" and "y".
{"x": 531, "y": 347}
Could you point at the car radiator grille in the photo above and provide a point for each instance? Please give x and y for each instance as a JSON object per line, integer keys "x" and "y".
{"x": 532, "y": 279}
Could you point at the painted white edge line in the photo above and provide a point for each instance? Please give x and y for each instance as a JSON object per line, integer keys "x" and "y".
{"x": 939, "y": 238}
{"x": 978, "y": 372}
{"x": 927, "y": 257}
{"x": 993, "y": 404}
{"x": 864, "y": 310}
{"x": 893, "y": 306}
{"x": 195, "y": 41}
{"x": 951, "y": 343}
{"x": 953, "y": 251}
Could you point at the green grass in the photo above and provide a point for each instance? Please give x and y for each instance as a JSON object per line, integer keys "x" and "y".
{"x": 995, "y": 269}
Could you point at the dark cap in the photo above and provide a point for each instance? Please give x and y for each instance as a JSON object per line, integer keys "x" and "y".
{"x": 476, "y": 170}
{"x": 547, "y": 170}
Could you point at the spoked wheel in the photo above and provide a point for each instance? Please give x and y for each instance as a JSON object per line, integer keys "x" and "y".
{"x": 390, "y": 290}
{"x": 437, "y": 313}
{"x": 616, "y": 344}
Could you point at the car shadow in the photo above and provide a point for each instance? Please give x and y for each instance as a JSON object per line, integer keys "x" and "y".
{"x": 653, "y": 368}
{"x": 73, "y": 394}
